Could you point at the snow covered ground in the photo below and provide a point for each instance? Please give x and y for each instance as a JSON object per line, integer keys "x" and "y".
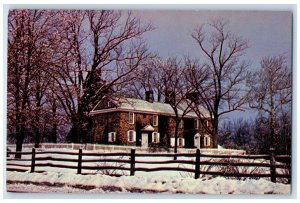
{"x": 158, "y": 182}
{"x": 67, "y": 181}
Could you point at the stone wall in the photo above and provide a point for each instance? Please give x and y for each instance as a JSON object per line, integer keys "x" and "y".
{"x": 119, "y": 122}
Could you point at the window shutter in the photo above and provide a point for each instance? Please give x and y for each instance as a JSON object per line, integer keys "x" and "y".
{"x": 109, "y": 137}
{"x": 155, "y": 120}
{"x": 114, "y": 136}
{"x": 172, "y": 141}
{"x": 182, "y": 142}
{"x": 131, "y": 118}
{"x": 206, "y": 141}
{"x": 158, "y": 137}
{"x": 128, "y": 137}
{"x": 196, "y": 122}
{"x": 134, "y": 136}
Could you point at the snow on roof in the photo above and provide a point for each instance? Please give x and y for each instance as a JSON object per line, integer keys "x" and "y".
{"x": 145, "y": 106}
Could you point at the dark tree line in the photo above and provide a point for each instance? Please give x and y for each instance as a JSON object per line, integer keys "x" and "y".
{"x": 253, "y": 135}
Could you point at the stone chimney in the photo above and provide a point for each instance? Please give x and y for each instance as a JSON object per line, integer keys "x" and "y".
{"x": 149, "y": 96}
{"x": 170, "y": 97}
{"x": 193, "y": 96}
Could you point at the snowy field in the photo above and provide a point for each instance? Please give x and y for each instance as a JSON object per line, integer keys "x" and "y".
{"x": 157, "y": 182}
{"x": 67, "y": 181}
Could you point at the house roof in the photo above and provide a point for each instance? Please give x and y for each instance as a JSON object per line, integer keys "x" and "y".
{"x": 139, "y": 105}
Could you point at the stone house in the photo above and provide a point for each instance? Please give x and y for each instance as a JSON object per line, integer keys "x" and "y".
{"x": 137, "y": 122}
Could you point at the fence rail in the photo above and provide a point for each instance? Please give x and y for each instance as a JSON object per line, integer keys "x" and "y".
{"x": 104, "y": 147}
{"x": 78, "y": 159}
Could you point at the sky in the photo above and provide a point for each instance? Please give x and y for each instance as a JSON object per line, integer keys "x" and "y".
{"x": 268, "y": 32}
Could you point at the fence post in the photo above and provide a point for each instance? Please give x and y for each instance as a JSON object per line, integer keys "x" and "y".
{"x": 272, "y": 165}
{"x": 32, "y": 160}
{"x": 197, "y": 164}
{"x": 132, "y": 162}
{"x": 79, "y": 161}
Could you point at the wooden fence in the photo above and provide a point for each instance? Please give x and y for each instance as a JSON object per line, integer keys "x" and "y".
{"x": 122, "y": 148}
{"x": 271, "y": 162}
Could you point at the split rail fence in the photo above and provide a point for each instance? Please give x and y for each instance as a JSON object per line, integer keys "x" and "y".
{"x": 45, "y": 159}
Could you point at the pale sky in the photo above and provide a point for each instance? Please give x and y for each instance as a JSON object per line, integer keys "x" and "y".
{"x": 269, "y": 32}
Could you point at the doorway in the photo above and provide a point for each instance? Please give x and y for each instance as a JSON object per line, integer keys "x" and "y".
{"x": 145, "y": 140}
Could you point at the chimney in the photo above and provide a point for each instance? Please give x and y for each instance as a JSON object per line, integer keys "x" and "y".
{"x": 193, "y": 96}
{"x": 149, "y": 96}
{"x": 170, "y": 97}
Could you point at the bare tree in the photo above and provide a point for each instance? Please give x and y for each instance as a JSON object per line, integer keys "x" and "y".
{"x": 176, "y": 90}
{"x": 30, "y": 37}
{"x": 99, "y": 50}
{"x": 148, "y": 78}
{"x": 270, "y": 90}
{"x": 223, "y": 52}
{"x": 143, "y": 81}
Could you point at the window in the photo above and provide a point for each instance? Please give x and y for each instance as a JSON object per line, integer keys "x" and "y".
{"x": 172, "y": 141}
{"x": 197, "y": 140}
{"x": 181, "y": 142}
{"x": 112, "y": 136}
{"x": 109, "y": 104}
{"x": 155, "y": 120}
{"x": 155, "y": 137}
{"x": 131, "y": 118}
{"x": 207, "y": 141}
{"x": 207, "y": 123}
{"x": 196, "y": 123}
{"x": 131, "y": 135}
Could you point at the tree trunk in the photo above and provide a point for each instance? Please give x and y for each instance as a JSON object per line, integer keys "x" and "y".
{"x": 176, "y": 138}
{"x": 80, "y": 130}
{"x": 37, "y": 139}
{"x": 75, "y": 132}
{"x": 272, "y": 133}
{"x": 20, "y": 134}
{"x": 53, "y": 134}
{"x": 215, "y": 131}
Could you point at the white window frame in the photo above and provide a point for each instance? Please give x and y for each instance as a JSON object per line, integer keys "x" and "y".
{"x": 129, "y": 119}
{"x": 172, "y": 141}
{"x": 206, "y": 123}
{"x": 112, "y": 137}
{"x": 109, "y": 104}
{"x": 197, "y": 122}
{"x": 206, "y": 141}
{"x": 155, "y": 120}
{"x": 197, "y": 139}
{"x": 133, "y": 136}
{"x": 180, "y": 139}
{"x": 157, "y": 135}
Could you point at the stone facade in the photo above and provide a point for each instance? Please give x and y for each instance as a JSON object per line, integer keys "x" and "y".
{"x": 118, "y": 122}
